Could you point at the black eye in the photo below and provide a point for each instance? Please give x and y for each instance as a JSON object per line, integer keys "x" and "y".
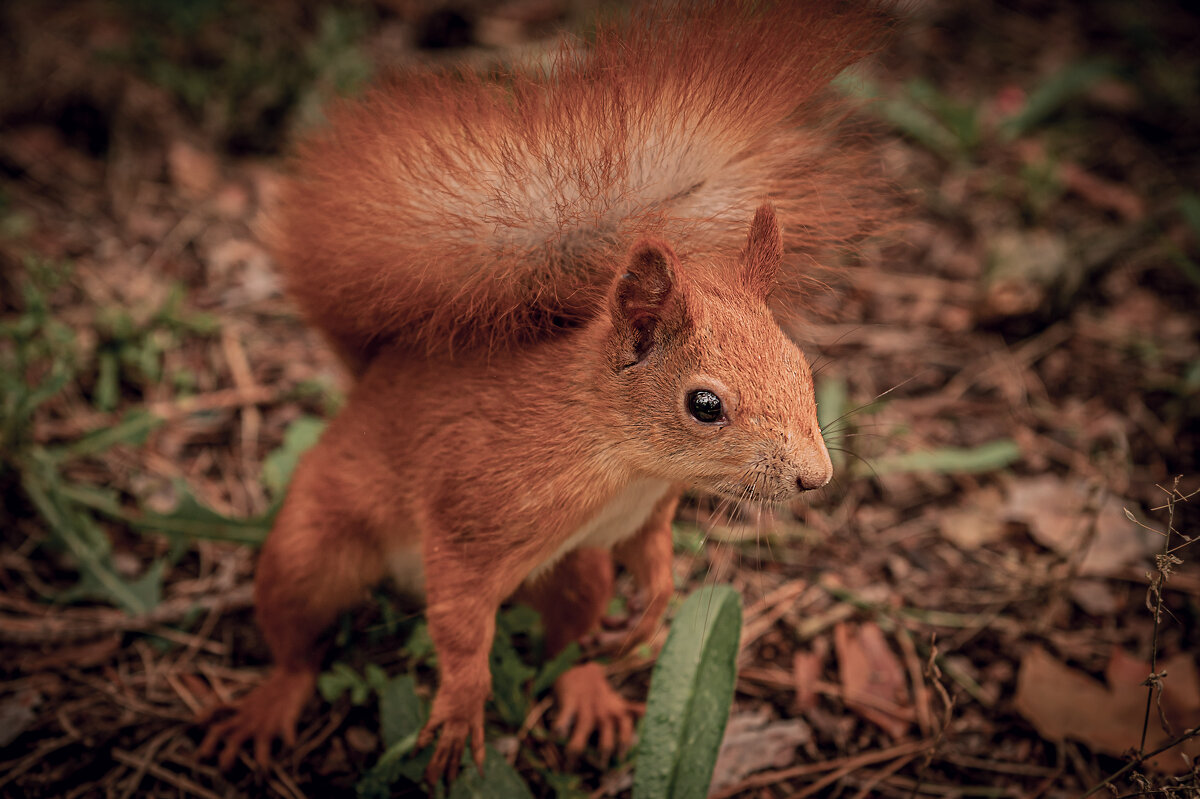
{"x": 704, "y": 406}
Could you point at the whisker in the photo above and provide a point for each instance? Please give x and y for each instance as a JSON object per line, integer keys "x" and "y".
{"x": 874, "y": 399}
{"x": 858, "y": 457}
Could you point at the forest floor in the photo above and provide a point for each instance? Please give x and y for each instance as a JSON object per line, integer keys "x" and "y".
{"x": 969, "y": 609}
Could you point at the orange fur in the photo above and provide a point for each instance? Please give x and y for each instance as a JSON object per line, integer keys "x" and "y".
{"x": 447, "y": 211}
{"x": 535, "y": 285}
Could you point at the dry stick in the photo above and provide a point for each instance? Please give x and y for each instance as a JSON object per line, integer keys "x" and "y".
{"x": 1155, "y": 679}
{"x": 881, "y": 775}
{"x": 915, "y": 676}
{"x": 166, "y": 775}
{"x": 830, "y": 779}
{"x": 33, "y": 758}
{"x": 147, "y": 755}
{"x": 79, "y": 626}
{"x": 934, "y": 673}
{"x": 305, "y": 748}
{"x": 285, "y": 785}
{"x": 847, "y": 763}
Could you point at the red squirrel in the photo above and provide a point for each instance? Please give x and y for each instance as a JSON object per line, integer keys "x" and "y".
{"x": 555, "y": 290}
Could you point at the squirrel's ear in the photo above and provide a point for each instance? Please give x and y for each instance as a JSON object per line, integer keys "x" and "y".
{"x": 644, "y": 293}
{"x": 764, "y": 252}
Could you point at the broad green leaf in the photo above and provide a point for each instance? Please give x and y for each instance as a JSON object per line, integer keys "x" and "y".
{"x": 691, "y": 691}
{"x": 509, "y": 677}
{"x": 393, "y": 764}
{"x": 419, "y": 645}
{"x": 687, "y": 538}
{"x": 565, "y": 786}
{"x": 278, "y": 466}
{"x": 338, "y": 680}
{"x": 518, "y": 620}
{"x": 555, "y": 668}
{"x": 400, "y": 710}
{"x": 498, "y": 781}
{"x": 375, "y": 676}
{"x": 984, "y": 458}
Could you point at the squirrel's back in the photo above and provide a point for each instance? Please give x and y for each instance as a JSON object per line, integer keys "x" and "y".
{"x": 450, "y": 211}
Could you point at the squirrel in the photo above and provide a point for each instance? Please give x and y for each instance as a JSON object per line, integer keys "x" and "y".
{"x": 558, "y": 290}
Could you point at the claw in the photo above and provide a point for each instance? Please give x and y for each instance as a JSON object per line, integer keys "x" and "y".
{"x": 268, "y": 712}
{"x": 452, "y": 736}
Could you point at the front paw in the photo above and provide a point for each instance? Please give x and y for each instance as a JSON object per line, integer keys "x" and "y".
{"x": 451, "y": 743}
{"x": 588, "y": 704}
{"x": 268, "y": 712}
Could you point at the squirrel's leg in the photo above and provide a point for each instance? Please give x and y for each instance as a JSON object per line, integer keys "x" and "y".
{"x": 572, "y": 598}
{"x": 647, "y": 556}
{"x": 314, "y": 564}
{"x": 462, "y": 595}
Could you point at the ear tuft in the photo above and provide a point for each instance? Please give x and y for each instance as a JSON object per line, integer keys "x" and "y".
{"x": 764, "y": 252}
{"x": 644, "y": 292}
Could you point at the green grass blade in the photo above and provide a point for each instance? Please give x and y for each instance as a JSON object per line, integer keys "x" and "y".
{"x": 985, "y": 458}
{"x": 133, "y": 429}
{"x": 1054, "y": 93}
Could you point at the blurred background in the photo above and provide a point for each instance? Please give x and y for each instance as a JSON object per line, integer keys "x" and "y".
{"x": 1010, "y": 384}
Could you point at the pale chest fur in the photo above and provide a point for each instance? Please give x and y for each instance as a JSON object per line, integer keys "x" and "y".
{"x": 617, "y": 520}
{"x": 623, "y": 516}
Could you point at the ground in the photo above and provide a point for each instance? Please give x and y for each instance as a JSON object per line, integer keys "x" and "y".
{"x": 1010, "y": 382}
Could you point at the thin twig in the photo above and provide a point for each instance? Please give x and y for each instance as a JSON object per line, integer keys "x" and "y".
{"x": 1137, "y": 761}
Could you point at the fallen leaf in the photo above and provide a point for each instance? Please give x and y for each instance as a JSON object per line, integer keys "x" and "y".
{"x": 873, "y": 680}
{"x": 1024, "y": 265}
{"x": 753, "y": 742}
{"x": 1056, "y": 514}
{"x": 1062, "y": 702}
{"x": 360, "y": 739}
{"x": 192, "y": 170}
{"x": 16, "y": 714}
{"x": 975, "y": 523}
{"x": 1094, "y": 596}
{"x": 806, "y": 672}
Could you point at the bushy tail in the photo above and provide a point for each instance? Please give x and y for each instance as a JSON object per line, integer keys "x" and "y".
{"x": 451, "y": 211}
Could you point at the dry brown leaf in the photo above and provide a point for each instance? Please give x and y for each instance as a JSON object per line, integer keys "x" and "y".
{"x": 873, "y": 680}
{"x": 192, "y": 170}
{"x": 753, "y": 742}
{"x": 1095, "y": 596}
{"x": 1056, "y": 513}
{"x": 1062, "y": 702}
{"x": 975, "y": 523}
{"x": 17, "y": 713}
{"x": 806, "y": 672}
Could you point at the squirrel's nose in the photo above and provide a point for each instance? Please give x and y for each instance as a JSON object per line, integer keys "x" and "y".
{"x": 816, "y": 471}
{"x": 808, "y": 481}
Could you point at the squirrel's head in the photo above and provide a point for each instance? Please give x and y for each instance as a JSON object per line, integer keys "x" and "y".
{"x": 709, "y": 390}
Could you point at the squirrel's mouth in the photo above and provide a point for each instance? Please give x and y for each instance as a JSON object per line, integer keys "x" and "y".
{"x": 774, "y": 491}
